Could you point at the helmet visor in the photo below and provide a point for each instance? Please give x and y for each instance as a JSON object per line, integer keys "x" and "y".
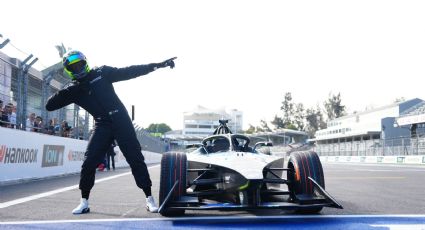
{"x": 76, "y": 67}
{"x": 73, "y": 57}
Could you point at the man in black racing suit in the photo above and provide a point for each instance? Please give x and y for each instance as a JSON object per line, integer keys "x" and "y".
{"x": 92, "y": 89}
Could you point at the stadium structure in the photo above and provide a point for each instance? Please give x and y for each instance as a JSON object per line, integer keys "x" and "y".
{"x": 395, "y": 129}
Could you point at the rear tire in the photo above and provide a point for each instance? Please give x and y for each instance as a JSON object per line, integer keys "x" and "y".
{"x": 173, "y": 168}
{"x": 304, "y": 164}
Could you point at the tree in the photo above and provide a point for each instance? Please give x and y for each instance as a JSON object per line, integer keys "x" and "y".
{"x": 258, "y": 129}
{"x": 278, "y": 122}
{"x": 314, "y": 118}
{"x": 287, "y": 109}
{"x": 265, "y": 126}
{"x": 158, "y": 128}
{"x": 250, "y": 130}
{"x": 291, "y": 126}
{"x": 299, "y": 116}
{"x": 293, "y": 115}
{"x": 334, "y": 107}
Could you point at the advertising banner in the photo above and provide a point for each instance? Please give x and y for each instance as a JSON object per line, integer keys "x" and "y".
{"x": 28, "y": 155}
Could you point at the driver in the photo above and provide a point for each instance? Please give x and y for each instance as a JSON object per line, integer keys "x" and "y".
{"x": 220, "y": 144}
{"x": 92, "y": 90}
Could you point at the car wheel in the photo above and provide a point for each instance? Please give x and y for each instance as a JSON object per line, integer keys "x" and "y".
{"x": 304, "y": 164}
{"x": 173, "y": 168}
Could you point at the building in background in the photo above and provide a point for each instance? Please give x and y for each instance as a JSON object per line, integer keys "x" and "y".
{"x": 385, "y": 130}
{"x": 202, "y": 121}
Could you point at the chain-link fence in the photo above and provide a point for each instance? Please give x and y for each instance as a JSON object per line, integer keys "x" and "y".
{"x": 378, "y": 147}
{"x": 28, "y": 91}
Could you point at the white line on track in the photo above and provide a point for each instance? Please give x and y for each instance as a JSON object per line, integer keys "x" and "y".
{"x": 56, "y": 191}
{"x": 213, "y": 218}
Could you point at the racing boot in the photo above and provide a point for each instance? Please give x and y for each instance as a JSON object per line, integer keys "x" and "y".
{"x": 82, "y": 208}
{"x": 150, "y": 204}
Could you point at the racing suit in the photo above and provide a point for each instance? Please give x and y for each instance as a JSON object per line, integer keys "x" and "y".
{"x": 95, "y": 93}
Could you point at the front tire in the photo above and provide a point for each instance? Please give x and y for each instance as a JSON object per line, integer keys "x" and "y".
{"x": 304, "y": 164}
{"x": 173, "y": 168}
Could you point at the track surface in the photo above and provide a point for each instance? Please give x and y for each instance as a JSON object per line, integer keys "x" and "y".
{"x": 362, "y": 189}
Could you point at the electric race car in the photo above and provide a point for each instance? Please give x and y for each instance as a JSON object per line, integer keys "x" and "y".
{"x": 225, "y": 172}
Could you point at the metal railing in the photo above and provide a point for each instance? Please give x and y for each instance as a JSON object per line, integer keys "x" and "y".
{"x": 378, "y": 147}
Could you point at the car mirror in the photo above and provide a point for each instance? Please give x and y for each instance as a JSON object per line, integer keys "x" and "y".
{"x": 263, "y": 144}
{"x": 197, "y": 145}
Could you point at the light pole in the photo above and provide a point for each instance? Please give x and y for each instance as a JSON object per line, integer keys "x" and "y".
{"x": 4, "y": 43}
{"x": 22, "y": 90}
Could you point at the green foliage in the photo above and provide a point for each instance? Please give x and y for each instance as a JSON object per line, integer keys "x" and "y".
{"x": 296, "y": 117}
{"x": 291, "y": 126}
{"x": 299, "y": 117}
{"x": 287, "y": 108}
{"x": 315, "y": 121}
{"x": 265, "y": 126}
{"x": 278, "y": 122}
{"x": 158, "y": 128}
{"x": 334, "y": 107}
{"x": 293, "y": 114}
{"x": 250, "y": 130}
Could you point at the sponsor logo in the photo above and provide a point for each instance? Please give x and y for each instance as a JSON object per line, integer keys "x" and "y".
{"x": 76, "y": 155}
{"x": 52, "y": 155}
{"x": 17, "y": 155}
{"x": 95, "y": 80}
{"x": 380, "y": 159}
{"x": 413, "y": 160}
{"x": 362, "y": 159}
{"x": 423, "y": 159}
{"x": 400, "y": 159}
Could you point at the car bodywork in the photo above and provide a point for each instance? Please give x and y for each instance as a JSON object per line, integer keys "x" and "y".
{"x": 225, "y": 172}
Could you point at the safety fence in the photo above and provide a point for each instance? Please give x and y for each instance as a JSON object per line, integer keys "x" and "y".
{"x": 401, "y": 160}
{"x": 388, "y": 147}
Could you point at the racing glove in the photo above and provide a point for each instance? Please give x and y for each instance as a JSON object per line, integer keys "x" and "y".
{"x": 166, "y": 63}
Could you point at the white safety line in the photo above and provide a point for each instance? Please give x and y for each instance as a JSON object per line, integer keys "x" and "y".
{"x": 214, "y": 218}
{"x": 129, "y": 211}
{"x": 56, "y": 191}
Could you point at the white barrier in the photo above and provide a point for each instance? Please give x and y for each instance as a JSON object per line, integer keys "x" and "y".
{"x": 417, "y": 159}
{"x": 28, "y": 155}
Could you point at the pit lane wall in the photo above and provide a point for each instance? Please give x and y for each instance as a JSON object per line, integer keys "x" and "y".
{"x": 406, "y": 160}
{"x": 29, "y": 156}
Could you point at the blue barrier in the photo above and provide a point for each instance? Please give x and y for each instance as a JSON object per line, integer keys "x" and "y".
{"x": 375, "y": 222}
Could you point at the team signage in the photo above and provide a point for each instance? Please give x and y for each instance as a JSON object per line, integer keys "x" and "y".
{"x": 13, "y": 155}
{"x": 52, "y": 155}
{"x": 75, "y": 155}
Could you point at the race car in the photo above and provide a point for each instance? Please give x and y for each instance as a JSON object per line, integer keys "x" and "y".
{"x": 225, "y": 172}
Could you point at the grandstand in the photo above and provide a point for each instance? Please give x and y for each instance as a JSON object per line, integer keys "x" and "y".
{"x": 395, "y": 129}
{"x": 414, "y": 115}
{"x": 28, "y": 89}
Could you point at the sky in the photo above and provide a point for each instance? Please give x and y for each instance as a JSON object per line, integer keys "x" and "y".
{"x": 237, "y": 54}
